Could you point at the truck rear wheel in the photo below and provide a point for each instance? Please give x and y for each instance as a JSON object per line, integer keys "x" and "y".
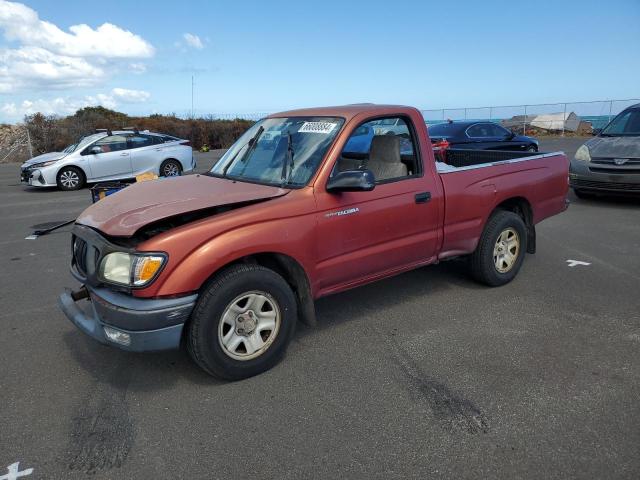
{"x": 243, "y": 322}
{"x": 500, "y": 252}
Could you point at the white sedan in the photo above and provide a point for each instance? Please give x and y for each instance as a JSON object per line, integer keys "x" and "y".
{"x": 107, "y": 156}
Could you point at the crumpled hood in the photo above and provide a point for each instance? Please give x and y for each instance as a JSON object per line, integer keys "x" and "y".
{"x": 125, "y": 212}
{"x": 614, "y": 147}
{"x": 44, "y": 158}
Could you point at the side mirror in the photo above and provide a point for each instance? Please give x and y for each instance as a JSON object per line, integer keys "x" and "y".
{"x": 596, "y": 131}
{"x": 95, "y": 149}
{"x": 510, "y": 135}
{"x": 352, "y": 181}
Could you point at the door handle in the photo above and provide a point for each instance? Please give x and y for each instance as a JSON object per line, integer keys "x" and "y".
{"x": 125, "y": 154}
{"x": 423, "y": 197}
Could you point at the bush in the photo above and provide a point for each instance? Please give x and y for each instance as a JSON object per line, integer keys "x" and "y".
{"x": 51, "y": 133}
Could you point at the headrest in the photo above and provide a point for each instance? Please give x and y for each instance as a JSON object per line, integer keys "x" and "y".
{"x": 385, "y": 148}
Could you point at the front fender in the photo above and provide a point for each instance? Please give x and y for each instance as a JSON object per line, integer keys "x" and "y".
{"x": 292, "y": 237}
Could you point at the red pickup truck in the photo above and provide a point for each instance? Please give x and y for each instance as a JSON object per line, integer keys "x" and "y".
{"x": 305, "y": 204}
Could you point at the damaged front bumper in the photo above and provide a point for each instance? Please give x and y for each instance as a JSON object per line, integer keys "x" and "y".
{"x": 127, "y": 322}
{"x": 35, "y": 177}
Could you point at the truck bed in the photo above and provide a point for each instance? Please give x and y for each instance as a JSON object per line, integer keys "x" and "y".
{"x": 484, "y": 179}
{"x": 460, "y": 158}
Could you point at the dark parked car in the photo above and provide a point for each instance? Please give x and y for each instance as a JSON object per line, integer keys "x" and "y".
{"x": 479, "y": 136}
{"x": 610, "y": 162}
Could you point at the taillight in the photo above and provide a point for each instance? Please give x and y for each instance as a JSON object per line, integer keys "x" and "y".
{"x": 441, "y": 144}
{"x": 186, "y": 143}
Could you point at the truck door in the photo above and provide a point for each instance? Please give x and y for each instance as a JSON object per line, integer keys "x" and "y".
{"x": 112, "y": 159}
{"x": 396, "y": 225}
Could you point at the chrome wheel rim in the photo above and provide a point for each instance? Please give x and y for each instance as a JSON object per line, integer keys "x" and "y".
{"x": 171, "y": 170}
{"x": 69, "y": 179}
{"x": 506, "y": 250}
{"x": 249, "y": 325}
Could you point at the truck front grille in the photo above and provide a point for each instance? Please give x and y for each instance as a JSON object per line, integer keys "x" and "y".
{"x": 80, "y": 255}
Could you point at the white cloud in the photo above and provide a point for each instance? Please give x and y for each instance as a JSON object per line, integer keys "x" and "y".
{"x": 35, "y": 67}
{"x": 138, "y": 68}
{"x": 51, "y": 58}
{"x": 21, "y": 23}
{"x": 130, "y": 96}
{"x": 193, "y": 41}
{"x": 12, "y": 111}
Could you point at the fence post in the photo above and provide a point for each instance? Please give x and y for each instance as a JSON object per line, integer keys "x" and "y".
{"x": 443, "y": 114}
{"x": 564, "y": 118}
{"x": 610, "y": 109}
{"x": 465, "y": 113}
{"x": 524, "y": 122}
{"x": 29, "y": 142}
{"x": 490, "y": 113}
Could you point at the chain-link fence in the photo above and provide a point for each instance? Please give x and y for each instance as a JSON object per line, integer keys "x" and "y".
{"x": 243, "y": 116}
{"x": 15, "y": 143}
{"x": 559, "y": 117}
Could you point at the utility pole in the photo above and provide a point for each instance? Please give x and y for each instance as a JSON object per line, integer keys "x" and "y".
{"x": 192, "y": 113}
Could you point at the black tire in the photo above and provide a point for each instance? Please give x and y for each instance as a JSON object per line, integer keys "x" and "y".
{"x": 170, "y": 168}
{"x": 482, "y": 262}
{"x": 203, "y": 330}
{"x": 70, "y": 178}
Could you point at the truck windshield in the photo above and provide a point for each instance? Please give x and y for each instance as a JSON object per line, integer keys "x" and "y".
{"x": 279, "y": 151}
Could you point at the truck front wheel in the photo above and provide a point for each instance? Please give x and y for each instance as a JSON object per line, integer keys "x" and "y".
{"x": 501, "y": 249}
{"x": 243, "y": 322}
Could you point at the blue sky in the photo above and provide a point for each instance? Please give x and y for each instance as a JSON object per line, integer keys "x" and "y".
{"x": 262, "y": 56}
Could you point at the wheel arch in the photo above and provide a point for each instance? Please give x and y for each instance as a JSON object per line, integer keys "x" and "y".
{"x": 521, "y": 207}
{"x": 77, "y": 167}
{"x": 174, "y": 159}
{"x": 289, "y": 269}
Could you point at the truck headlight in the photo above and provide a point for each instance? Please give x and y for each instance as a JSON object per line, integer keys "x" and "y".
{"x": 583, "y": 154}
{"x": 132, "y": 270}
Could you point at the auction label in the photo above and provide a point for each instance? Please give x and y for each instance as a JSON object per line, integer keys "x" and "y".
{"x": 317, "y": 127}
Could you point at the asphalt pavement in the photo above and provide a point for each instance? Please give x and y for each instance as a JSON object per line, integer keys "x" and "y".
{"x": 425, "y": 375}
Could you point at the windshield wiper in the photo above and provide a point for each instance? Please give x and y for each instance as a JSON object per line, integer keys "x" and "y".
{"x": 288, "y": 158}
{"x": 251, "y": 143}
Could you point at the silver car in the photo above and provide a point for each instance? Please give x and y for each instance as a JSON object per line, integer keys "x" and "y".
{"x": 610, "y": 162}
{"x": 109, "y": 155}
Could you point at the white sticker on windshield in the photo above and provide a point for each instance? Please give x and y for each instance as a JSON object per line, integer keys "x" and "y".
{"x": 317, "y": 127}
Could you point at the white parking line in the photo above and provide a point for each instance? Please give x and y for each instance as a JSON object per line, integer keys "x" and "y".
{"x": 594, "y": 260}
{"x": 14, "y": 472}
{"x": 573, "y": 263}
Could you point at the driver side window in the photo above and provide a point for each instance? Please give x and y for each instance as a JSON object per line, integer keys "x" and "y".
{"x": 385, "y": 146}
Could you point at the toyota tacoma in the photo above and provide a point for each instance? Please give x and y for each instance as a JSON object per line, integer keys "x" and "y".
{"x": 227, "y": 262}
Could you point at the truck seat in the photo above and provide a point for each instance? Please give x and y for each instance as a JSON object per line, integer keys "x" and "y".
{"x": 384, "y": 158}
